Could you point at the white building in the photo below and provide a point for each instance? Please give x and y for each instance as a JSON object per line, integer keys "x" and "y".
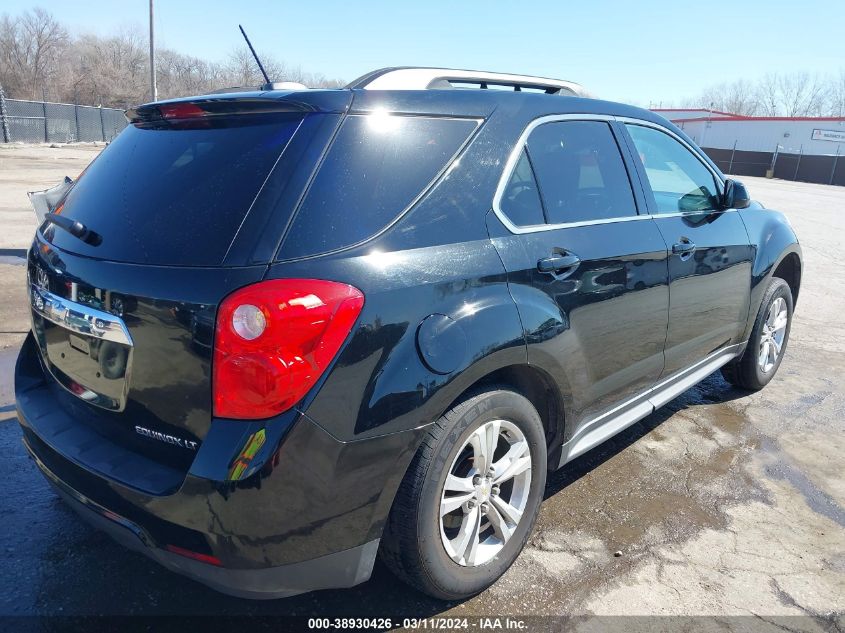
{"x": 809, "y": 136}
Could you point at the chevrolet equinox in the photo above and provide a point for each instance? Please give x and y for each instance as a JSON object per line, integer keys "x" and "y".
{"x": 279, "y": 333}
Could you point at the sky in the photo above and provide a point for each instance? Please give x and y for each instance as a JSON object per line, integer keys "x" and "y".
{"x": 647, "y": 53}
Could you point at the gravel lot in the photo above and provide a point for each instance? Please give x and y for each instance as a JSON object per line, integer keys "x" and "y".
{"x": 721, "y": 504}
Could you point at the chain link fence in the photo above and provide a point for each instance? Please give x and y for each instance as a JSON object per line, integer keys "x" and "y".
{"x": 43, "y": 122}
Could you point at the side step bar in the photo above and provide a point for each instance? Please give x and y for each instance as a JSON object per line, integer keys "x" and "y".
{"x": 597, "y": 430}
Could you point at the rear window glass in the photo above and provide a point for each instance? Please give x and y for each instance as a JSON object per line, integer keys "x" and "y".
{"x": 174, "y": 196}
{"x": 580, "y": 171}
{"x": 377, "y": 166}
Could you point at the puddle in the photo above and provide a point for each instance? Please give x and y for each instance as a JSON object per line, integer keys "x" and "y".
{"x": 779, "y": 466}
{"x": 661, "y": 482}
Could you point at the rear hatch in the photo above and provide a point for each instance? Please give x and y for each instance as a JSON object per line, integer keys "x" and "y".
{"x": 179, "y": 211}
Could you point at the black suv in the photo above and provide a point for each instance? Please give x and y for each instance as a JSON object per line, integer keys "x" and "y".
{"x": 278, "y": 333}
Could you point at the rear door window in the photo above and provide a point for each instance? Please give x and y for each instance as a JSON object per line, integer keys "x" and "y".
{"x": 580, "y": 171}
{"x": 377, "y": 167}
{"x": 170, "y": 195}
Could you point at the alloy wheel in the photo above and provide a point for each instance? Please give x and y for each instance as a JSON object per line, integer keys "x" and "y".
{"x": 486, "y": 493}
{"x": 772, "y": 335}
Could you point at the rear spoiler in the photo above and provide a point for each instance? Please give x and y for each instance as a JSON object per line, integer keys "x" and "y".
{"x": 214, "y": 107}
{"x": 291, "y": 100}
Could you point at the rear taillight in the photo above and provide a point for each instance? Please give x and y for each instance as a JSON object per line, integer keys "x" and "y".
{"x": 273, "y": 341}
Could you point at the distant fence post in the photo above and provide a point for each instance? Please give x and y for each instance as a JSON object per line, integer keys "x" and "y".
{"x": 46, "y": 127}
{"x": 6, "y": 136}
{"x": 771, "y": 171}
{"x": 76, "y": 121}
{"x": 798, "y": 164}
{"x": 832, "y": 169}
{"x": 102, "y": 123}
{"x": 731, "y": 166}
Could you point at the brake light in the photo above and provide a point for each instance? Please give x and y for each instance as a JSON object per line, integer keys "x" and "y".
{"x": 181, "y": 111}
{"x": 274, "y": 339}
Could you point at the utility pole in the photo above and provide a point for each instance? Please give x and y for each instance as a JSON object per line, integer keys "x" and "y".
{"x": 153, "y": 88}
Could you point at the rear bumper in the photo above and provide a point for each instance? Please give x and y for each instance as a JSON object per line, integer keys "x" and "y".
{"x": 307, "y": 514}
{"x": 340, "y": 569}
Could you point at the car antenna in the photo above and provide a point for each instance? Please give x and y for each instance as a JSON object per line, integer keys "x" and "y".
{"x": 268, "y": 85}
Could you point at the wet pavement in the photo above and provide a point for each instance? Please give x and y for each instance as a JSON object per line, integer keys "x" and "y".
{"x": 722, "y": 503}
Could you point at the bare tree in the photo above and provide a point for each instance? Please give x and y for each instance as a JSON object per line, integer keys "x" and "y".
{"x": 776, "y": 94}
{"x": 241, "y": 70}
{"x": 39, "y": 60}
{"x": 793, "y": 94}
{"x": 738, "y": 97}
{"x": 31, "y": 47}
{"x": 768, "y": 95}
{"x": 836, "y": 95}
{"x": 109, "y": 71}
{"x": 180, "y": 74}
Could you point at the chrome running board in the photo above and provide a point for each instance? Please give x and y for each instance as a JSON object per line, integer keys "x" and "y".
{"x": 605, "y": 426}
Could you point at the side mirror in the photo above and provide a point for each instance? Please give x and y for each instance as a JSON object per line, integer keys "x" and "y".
{"x": 736, "y": 195}
{"x": 698, "y": 200}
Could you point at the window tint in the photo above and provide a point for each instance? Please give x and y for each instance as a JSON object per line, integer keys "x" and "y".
{"x": 521, "y": 198}
{"x": 679, "y": 180}
{"x": 376, "y": 167}
{"x": 174, "y": 196}
{"x": 580, "y": 172}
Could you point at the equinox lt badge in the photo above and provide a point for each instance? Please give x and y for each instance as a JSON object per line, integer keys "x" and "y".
{"x": 167, "y": 439}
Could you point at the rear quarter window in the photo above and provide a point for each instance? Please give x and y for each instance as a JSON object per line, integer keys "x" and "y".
{"x": 378, "y": 165}
{"x": 521, "y": 198}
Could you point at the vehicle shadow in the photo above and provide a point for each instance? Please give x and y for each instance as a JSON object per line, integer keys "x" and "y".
{"x": 109, "y": 580}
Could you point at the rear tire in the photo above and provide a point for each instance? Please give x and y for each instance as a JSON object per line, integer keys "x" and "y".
{"x": 425, "y": 547}
{"x": 767, "y": 343}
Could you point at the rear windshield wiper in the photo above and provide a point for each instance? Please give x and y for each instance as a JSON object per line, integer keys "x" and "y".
{"x": 75, "y": 228}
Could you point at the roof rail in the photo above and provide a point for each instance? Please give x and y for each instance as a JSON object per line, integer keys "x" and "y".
{"x": 413, "y": 78}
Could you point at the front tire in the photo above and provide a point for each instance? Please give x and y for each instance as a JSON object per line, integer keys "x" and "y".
{"x": 767, "y": 344}
{"x": 470, "y": 498}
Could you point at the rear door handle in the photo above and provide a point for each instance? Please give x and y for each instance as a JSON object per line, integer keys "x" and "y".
{"x": 684, "y": 248}
{"x": 558, "y": 262}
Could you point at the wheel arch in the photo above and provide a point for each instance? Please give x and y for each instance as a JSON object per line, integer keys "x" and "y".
{"x": 789, "y": 269}
{"x": 534, "y": 384}
{"x": 777, "y": 253}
